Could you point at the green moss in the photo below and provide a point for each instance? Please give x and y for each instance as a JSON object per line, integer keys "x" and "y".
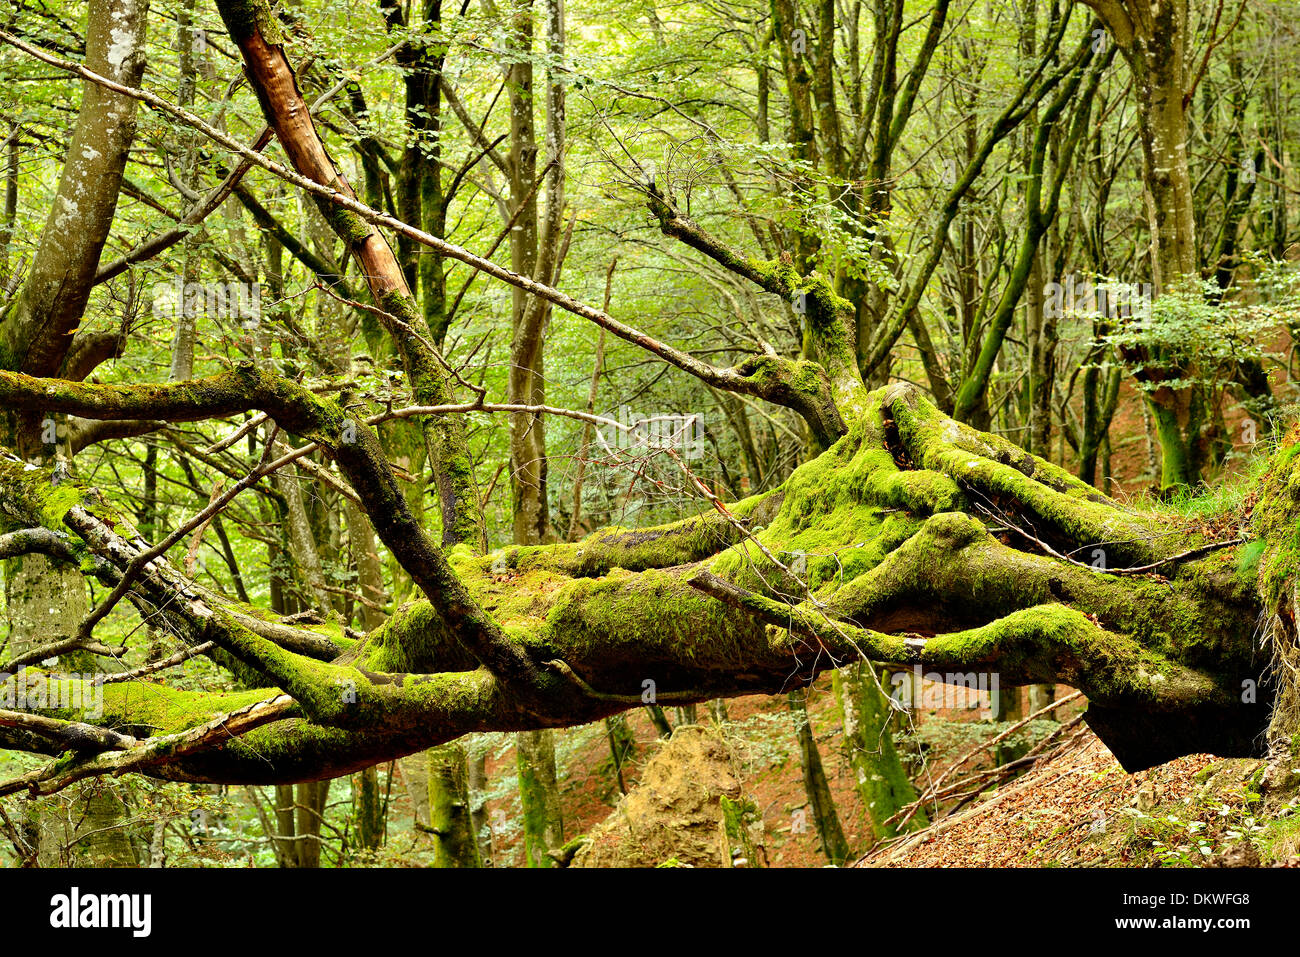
{"x": 654, "y": 619}
{"x": 516, "y": 598}
{"x": 1056, "y": 643}
{"x": 1056, "y": 501}
{"x": 28, "y": 496}
{"x": 1276, "y": 518}
{"x": 333, "y": 630}
{"x": 349, "y": 227}
{"x": 57, "y": 503}
{"x": 842, "y": 513}
{"x": 145, "y": 708}
{"x": 244, "y": 18}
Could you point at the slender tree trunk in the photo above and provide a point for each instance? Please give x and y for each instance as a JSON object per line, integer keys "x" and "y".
{"x": 309, "y": 810}
{"x": 285, "y": 825}
{"x": 659, "y": 720}
{"x": 867, "y": 717}
{"x": 370, "y": 585}
{"x": 621, "y": 745}
{"x": 450, "y": 816}
{"x": 825, "y": 818}
{"x": 533, "y": 255}
{"x": 1154, "y": 41}
{"x": 45, "y": 599}
{"x": 369, "y": 809}
{"x": 540, "y": 797}
{"x": 478, "y": 786}
{"x": 9, "y": 212}
{"x": 1009, "y": 706}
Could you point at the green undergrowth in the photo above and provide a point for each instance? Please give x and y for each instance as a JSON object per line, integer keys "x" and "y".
{"x": 1225, "y": 816}
{"x": 1225, "y": 499}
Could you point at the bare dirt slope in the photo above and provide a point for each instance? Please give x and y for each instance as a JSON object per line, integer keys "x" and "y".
{"x": 1081, "y": 809}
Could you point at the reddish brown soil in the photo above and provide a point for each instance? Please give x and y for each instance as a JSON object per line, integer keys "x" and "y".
{"x": 589, "y": 793}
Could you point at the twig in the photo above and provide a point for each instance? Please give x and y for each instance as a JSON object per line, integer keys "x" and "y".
{"x": 185, "y": 654}
{"x": 1134, "y": 570}
{"x": 138, "y": 564}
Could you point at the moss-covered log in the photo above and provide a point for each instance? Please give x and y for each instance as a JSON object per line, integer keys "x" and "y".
{"x": 912, "y": 540}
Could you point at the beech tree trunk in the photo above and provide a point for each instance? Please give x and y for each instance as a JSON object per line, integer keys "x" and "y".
{"x": 1154, "y": 39}
{"x": 820, "y": 802}
{"x": 450, "y": 816}
{"x": 539, "y": 796}
{"x": 868, "y": 721}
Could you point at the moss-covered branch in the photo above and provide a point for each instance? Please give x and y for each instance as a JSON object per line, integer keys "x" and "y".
{"x": 32, "y": 499}
{"x": 875, "y": 548}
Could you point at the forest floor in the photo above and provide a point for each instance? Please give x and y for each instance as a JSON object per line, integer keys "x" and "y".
{"x": 1076, "y": 808}
{"x": 1081, "y": 809}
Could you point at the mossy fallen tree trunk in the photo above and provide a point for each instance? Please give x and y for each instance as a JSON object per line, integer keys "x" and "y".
{"x": 913, "y": 540}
